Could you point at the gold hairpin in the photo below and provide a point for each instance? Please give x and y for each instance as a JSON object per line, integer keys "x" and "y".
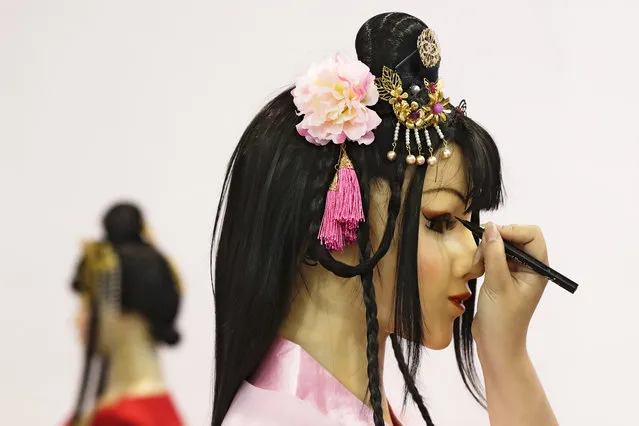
{"x": 414, "y": 116}
{"x": 100, "y": 273}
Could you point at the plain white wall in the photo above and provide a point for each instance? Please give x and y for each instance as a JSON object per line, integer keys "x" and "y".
{"x": 146, "y": 100}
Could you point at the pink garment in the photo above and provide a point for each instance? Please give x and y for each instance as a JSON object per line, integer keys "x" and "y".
{"x": 290, "y": 388}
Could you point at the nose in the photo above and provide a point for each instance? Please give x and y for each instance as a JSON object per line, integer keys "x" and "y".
{"x": 469, "y": 266}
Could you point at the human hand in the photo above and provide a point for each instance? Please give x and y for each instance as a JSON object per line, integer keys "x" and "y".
{"x": 510, "y": 293}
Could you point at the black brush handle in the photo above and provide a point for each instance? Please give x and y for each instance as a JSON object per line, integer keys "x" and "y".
{"x": 527, "y": 260}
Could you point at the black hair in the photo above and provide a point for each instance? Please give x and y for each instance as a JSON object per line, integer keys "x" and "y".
{"x": 123, "y": 223}
{"x": 270, "y": 213}
{"x": 148, "y": 287}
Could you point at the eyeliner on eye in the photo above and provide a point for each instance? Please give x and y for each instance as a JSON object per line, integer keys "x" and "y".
{"x": 440, "y": 223}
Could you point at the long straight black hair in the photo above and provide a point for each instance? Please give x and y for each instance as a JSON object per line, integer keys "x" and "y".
{"x": 270, "y": 212}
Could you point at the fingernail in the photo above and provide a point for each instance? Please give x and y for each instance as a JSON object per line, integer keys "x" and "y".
{"x": 484, "y": 225}
{"x": 491, "y": 233}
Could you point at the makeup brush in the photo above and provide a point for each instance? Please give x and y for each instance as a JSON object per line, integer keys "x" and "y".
{"x": 527, "y": 260}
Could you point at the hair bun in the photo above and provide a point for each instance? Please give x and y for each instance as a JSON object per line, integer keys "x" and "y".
{"x": 123, "y": 223}
{"x": 166, "y": 334}
{"x": 394, "y": 39}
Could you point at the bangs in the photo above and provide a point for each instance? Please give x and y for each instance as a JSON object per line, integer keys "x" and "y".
{"x": 483, "y": 165}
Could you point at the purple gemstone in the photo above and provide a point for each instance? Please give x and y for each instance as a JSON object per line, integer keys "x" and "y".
{"x": 438, "y": 108}
{"x": 414, "y": 115}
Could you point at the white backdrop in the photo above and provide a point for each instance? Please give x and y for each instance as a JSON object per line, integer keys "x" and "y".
{"x": 146, "y": 100}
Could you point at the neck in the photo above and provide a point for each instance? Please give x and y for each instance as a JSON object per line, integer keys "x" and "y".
{"x": 328, "y": 320}
{"x": 134, "y": 369}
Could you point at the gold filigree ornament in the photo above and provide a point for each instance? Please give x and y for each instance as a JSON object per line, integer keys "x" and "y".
{"x": 101, "y": 273}
{"x": 414, "y": 116}
{"x": 428, "y": 47}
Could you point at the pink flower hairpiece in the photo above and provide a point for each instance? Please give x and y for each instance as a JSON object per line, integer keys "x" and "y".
{"x": 334, "y": 97}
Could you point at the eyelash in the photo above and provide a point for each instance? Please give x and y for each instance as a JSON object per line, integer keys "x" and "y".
{"x": 446, "y": 220}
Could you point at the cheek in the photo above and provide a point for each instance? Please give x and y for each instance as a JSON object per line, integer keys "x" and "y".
{"x": 81, "y": 321}
{"x": 81, "y": 325}
{"x": 431, "y": 267}
{"x": 434, "y": 280}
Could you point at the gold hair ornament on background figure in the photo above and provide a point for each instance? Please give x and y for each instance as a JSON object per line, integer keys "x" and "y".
{"x": 101, "y": 273}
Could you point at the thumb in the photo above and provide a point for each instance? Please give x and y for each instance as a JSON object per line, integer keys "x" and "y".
{"x": 497, "y": 272}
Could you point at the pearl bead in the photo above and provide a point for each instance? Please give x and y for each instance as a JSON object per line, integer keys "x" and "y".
{"x": 410, "y": 159}
{"x": 431, "y": 160}
{"x": 447, "y": 153}
{"x": 415, "y": 89}
{"x": 391, "y": 155}
{"x": 421, "y": 160}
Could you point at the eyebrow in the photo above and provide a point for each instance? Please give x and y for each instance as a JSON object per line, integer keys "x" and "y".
{"x": 449, "y": 190}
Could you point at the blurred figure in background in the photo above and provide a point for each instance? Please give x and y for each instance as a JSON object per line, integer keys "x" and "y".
{"x": 129, "y": 300}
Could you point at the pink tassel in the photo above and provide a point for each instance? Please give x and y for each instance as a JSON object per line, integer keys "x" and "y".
{"x": 331, "y": 232}
{"x": 350, "y": 234}
{"x": 349, "y": 199}
{"x": 343, "y": 210}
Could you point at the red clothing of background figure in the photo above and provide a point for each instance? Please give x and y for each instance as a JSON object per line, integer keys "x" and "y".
{"x": 157, "y": 410}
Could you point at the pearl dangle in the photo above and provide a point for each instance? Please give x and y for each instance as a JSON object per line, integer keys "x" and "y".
{"x": 432, "y": 160}
{"x": 410, "y": 158}
{"x": 419, "y": 159}
{"x": 446, "y": 153}
{"x": 392, "y": 155}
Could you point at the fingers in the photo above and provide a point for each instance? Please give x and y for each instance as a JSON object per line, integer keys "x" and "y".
{"x": 518, "y": 267}
{"x": 528, "y": 237}
{"x": 515, "y": 266}
{"x": 492, "y": 248}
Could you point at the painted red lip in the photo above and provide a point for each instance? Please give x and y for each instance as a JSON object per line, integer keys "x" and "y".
{"x": 459, "y": 300}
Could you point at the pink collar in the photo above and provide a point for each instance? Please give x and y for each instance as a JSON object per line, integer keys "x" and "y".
{"x": 289, "y": 369}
